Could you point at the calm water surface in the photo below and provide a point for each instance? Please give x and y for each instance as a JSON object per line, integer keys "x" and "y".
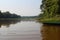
{"x": 20, "y": 30}
{"x": 28, "y": 30}
{"x": 50, "y": 32}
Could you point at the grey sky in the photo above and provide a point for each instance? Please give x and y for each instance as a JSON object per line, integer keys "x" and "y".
{"x": 21, "y": 7}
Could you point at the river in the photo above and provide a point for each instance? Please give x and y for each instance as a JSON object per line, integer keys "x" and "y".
{"x": 20, "y": 30}
{"x": 28, "y": 30}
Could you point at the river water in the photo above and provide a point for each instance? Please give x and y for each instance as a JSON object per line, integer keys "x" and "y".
{"x": 28, "y": 30}
{"x": 20, "y": 30}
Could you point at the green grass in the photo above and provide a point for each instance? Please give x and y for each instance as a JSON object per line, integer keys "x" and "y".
{"x": 50, "y": 20}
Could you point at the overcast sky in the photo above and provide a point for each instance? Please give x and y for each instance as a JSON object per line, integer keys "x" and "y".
{"x": 21, "y": 7}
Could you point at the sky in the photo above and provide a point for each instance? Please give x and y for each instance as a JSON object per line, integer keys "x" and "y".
{"x": 21, "y": 7}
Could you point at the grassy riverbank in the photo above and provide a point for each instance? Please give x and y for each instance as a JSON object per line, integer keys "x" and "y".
{"x": 55, "y": 20}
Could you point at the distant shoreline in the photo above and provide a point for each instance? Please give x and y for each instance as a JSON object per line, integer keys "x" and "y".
{"x": 10, "y": 18}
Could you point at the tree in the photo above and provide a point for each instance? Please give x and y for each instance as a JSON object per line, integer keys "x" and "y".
{"x": 7, "y": 14}
{"x": 50, "y": 8}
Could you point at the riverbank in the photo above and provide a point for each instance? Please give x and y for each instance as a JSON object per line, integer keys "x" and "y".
{"x": 54, "y": 20}
{"x": 10, "y": 18}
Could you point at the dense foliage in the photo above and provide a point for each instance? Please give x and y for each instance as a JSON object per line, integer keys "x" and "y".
{"x": 50, "y": 10}
{"x": 8, "y": 15}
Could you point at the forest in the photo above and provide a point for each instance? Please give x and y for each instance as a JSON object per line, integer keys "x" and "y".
{"x": 50, "y": 11}
{"x": 7, "y": 14}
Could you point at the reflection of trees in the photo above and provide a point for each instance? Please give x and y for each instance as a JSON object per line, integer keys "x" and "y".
{"x": 50, "y": 32}
{"x": 8, "y": 22}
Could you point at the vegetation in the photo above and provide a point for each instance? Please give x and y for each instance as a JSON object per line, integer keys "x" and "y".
{"x": 29, "y": 18}
{"x": 50, "y": 11}
{"x": 8, "y": 15}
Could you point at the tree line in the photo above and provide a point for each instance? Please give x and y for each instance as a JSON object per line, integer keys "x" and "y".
{"x": 50, "y": 8}
{"x": 7, "y": 14}
{"x": 50, "y": 11}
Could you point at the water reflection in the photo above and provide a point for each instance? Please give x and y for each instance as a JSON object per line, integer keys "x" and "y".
{"x": 7, "y": 23}
{"x": 20, "y": 31}
{"x": 50, "y": 32}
